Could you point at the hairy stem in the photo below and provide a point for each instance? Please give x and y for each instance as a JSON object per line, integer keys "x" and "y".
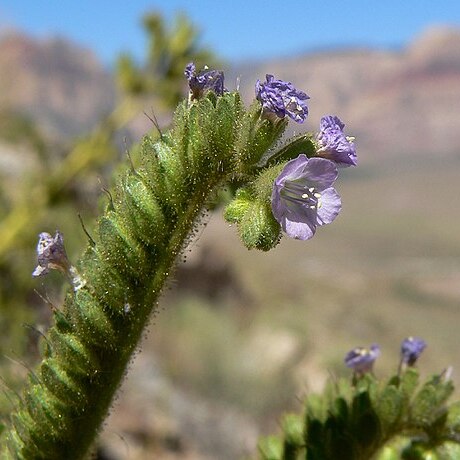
{"x": 137, "y": 243}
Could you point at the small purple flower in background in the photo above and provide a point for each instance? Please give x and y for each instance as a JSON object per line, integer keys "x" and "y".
{"x": 51, "y": 255}
{"x": 303, "y": 197}
{"x": 281, "y": 98}
{"x": 333, "y": 144}
{"x": 206, "y": 80}
{"x": 411, "y": 349}
{"x": 361, "y": 359}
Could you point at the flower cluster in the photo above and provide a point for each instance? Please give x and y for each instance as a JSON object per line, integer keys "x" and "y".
{"x": 281, "y": 98}
{"x": 303, "y": 196}
{"x": 206, "y": 80}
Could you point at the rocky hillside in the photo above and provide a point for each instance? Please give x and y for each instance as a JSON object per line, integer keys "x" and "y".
{"x": 60, "y": 86}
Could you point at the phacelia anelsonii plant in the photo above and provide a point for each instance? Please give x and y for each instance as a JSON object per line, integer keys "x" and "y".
{"x": 366, "y": 418}
{"x": 214, "y": 140}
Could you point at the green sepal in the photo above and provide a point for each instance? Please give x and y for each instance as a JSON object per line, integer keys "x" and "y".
{"x": 239, "y": 206}
{"x": 257, "y": 226}
{"x": 389, "y": 407}
{"x": 256, "y": 135}
{"x": 271, "y": 448}
{"x": 60, "y": 383}
{"x": 388, "y": 453}
{"x": 364, "y": 420}
{"x": 227, "y": 113}
{"x": 200, "y": 155}
{"x": 453, "y": 418}
{"x": 172, "y": 175}
{"x": 143, "y": 211}
{"x": 426, "y": 404}
{"x": 409, "y": 381}
{"x": 418, "y": 450}
{"x": 206, "y": 132}
{"x": 303, "y": 143}
{"x": 293, "y": 429}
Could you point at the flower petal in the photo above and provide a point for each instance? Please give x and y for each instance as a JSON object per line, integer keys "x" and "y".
{"x": 321, "y": 172}
{"x": 293, "y": 169}
{"x": 331, "y": 204}
{"x": 298, "y": 230}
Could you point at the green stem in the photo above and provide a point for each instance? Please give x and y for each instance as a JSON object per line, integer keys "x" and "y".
{"x": 123, "y": 271}
{"x": 96, "y": 332}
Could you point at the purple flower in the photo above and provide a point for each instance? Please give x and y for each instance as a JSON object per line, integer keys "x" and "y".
{"x": 206, "y": 80}
{"x": 333, "y": 144}
{"x": 303, "y": 197}
{"x": 362, "y": 359}
{"x": 281, "y": 98}
{"x": 411, "y": 349}
{"x": 51, "y": 255}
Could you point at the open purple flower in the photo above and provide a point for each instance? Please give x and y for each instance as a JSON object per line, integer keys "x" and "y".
{"x": 361, "y": 359}
{"x": 303, "y": 197}
{"x": 333, "y": 144}
{"x": 206, "y": 80}
{"x": 281, "y": 98}
{"x": 411, "y": 349}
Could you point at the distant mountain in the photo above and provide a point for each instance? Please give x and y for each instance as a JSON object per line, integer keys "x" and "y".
{"x": 394, "y": 102}
{"x": 64, "y": 88}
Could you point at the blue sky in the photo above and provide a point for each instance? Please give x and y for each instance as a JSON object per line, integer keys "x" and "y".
{"x": 235, "y": 29}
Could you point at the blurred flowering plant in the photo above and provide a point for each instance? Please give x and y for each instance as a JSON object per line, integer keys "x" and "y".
{"x": 364, "y": 418}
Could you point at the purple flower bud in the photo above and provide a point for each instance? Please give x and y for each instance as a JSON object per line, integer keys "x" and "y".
{"x": 52, "y": 256}
{"x": 361, "y": 359}
{"x": 206, "y": 80}
{"x": 281, "y": 98}
{"x": 333, "y": 144}
{"x": 303, "y": 197}
{"x": 411, "y": 349}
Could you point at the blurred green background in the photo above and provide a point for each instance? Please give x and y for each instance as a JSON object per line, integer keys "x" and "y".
{"x": 240, "y": 336}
